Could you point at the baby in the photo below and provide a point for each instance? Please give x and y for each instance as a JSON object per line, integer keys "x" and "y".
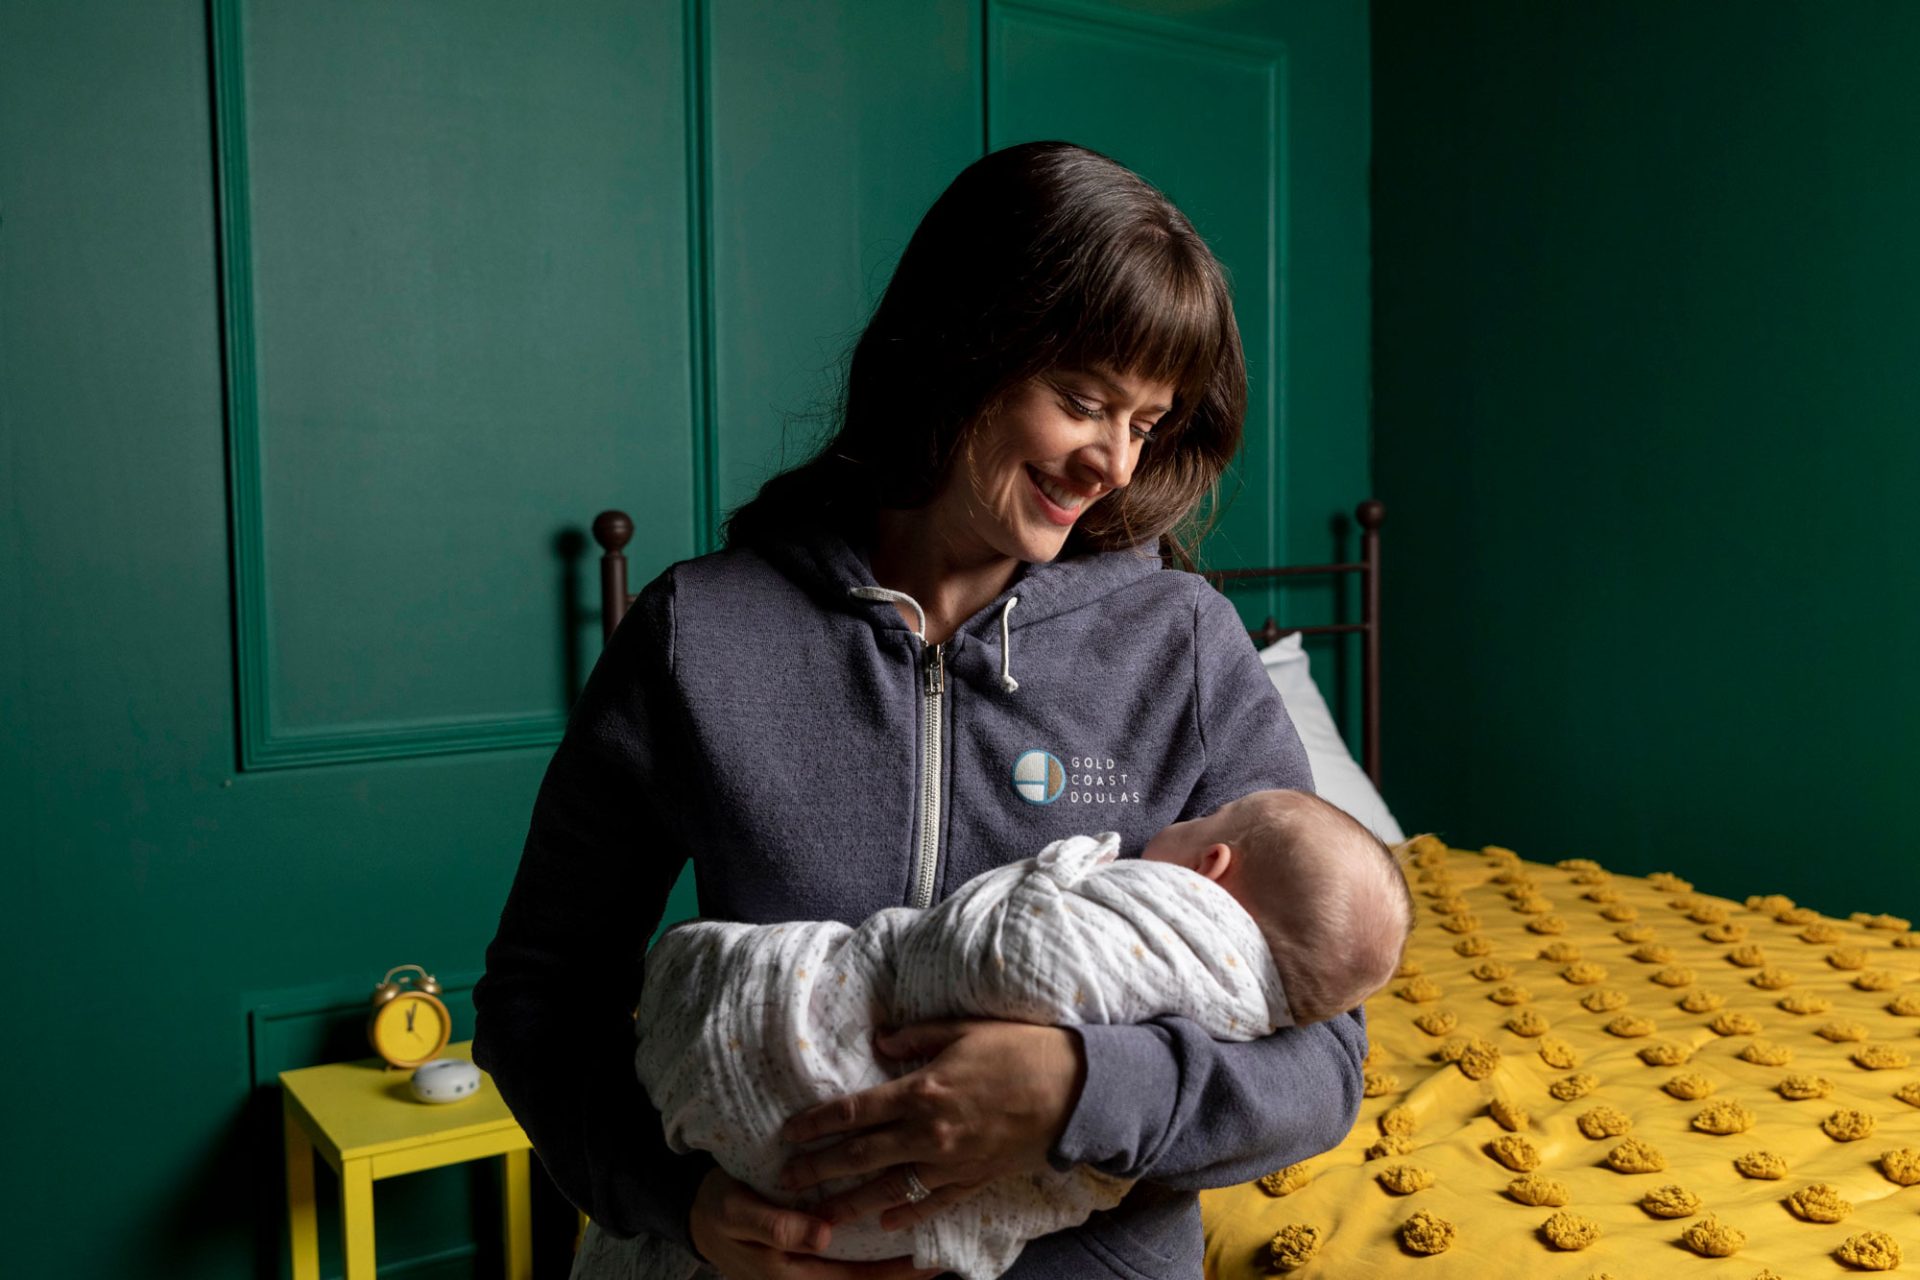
{"x": 1276, "y": 909}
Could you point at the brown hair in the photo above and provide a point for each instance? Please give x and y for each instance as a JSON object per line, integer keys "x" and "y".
{"x": 1332, "y": 901}
{"x": 1039, "y": 256}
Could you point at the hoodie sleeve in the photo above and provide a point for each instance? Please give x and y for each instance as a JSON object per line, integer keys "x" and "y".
{"x": 1164, "y": 1100}
{"x": 554, "y": 1010}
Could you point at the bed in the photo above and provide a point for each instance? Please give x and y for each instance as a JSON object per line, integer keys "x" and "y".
{"x": 1579, "y": 1073}
{"x": 1692, "y": 1074}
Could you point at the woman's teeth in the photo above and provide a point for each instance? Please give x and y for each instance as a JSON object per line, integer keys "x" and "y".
{"x": 1061, "y": 497}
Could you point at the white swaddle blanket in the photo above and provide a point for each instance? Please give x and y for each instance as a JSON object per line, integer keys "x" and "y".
{"x": 743, "y": 1025}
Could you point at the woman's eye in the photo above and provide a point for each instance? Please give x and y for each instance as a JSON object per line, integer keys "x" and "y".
{"x": 1084, "y": 409}
{"x": 1144, "y": 434}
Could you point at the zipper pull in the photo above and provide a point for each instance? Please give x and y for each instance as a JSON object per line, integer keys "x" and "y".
{"x": 936, "y": 668}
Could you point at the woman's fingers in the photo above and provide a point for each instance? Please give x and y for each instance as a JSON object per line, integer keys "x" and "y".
{"x": 804, "y": 1268}
{"x": 883, "y": 1102}
{"x": 864, "y": 1154}
{"x": 905, "y": 1217}
{"x": 851, "y": 1111}
{"x": 889, "y": 1189}
{"x": 753, "y": 1237}
{"x": 750, "y": 1216}
{"x": 789, "y": 1232}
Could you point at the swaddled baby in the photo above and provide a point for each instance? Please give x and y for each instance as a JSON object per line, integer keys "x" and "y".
{"x": 1275, "y": 910}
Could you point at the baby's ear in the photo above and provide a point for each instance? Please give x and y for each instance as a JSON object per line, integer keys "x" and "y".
{"x": 1215, "y": 861}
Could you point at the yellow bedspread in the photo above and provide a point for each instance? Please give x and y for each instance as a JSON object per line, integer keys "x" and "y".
{"x": 1762, "y": 1051}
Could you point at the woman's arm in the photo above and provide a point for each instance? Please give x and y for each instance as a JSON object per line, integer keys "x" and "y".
{"x": 1166, "y": 1101}
{"x": 554, "y": 1022}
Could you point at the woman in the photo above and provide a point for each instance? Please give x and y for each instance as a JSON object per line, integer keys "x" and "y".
{"x": 943, "y": 642}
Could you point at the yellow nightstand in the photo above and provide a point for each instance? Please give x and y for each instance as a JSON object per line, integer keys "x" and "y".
{"x": 363, "y": 1118}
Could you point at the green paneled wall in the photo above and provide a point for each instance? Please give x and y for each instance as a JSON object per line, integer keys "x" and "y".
{"x": 324, "y": 330}
{"x": 1647, "y": 304}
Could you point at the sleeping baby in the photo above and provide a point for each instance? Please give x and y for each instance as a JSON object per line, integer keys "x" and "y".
{"x": 1275, "y": 910}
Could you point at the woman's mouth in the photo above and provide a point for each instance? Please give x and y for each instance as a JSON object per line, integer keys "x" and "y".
{"x": 1058, "y": 503}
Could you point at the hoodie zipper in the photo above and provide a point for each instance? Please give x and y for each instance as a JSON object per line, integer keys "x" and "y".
{"x": 934, "y": 665}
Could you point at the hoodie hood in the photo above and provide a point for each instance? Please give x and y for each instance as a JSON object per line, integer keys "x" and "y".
{"x": 822, "y": 562}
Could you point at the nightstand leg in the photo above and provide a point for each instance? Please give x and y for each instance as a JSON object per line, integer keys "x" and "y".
{"x": 356, "y": 1219}
{"x": 517, "y": 1208}
{"x": 302, "y": 1234}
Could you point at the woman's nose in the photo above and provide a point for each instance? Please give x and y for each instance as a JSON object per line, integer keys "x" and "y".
{"x": 1111, "y": 457}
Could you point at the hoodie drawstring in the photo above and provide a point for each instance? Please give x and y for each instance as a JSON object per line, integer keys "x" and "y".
{"x": 897, "y": 597}
{"x": 1007, "y": 681}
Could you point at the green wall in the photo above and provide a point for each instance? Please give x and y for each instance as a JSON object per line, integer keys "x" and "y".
{"x": 1647, "y": 308}
{"x": 324, "y": 331}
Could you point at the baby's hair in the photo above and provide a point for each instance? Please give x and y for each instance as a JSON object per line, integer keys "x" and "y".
{"x": 1337, "y": 911}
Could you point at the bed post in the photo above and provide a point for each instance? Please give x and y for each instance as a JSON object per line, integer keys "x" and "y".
{"x": 612, "y": 530}
{"x": 1370, "y": 515}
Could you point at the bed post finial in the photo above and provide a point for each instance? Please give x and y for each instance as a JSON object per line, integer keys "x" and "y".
{"x": 612, "y": 530}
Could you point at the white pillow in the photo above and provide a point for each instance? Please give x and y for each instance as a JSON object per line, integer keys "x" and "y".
{"x": 1337, "y": 779}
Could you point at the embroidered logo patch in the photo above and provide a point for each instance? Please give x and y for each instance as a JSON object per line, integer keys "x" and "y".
{"x": 1038, "y": 777}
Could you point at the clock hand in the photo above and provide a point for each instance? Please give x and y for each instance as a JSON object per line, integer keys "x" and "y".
{"x": 410, "y": 1012}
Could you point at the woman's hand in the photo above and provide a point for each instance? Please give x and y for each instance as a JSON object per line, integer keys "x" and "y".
{"x": 993, "y": 1101}
{"x": 747, "y": 1237}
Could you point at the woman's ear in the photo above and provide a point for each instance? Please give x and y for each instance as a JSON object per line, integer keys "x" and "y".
{"x": 1214, "y": 861}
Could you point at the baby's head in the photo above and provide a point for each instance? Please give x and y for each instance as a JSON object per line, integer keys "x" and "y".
{"x": 1329, "y": 898}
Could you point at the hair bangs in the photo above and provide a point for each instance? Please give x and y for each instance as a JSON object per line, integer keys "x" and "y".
{"x": 1155, "y": 315}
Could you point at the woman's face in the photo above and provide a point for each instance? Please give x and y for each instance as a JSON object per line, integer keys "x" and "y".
{"x": 1066, "y": 440}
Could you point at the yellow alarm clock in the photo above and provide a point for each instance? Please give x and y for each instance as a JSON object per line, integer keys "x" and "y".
{"x": 408, "y": 1025}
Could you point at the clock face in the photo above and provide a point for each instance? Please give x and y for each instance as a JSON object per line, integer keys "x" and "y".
{"x": 410, "y": 1028}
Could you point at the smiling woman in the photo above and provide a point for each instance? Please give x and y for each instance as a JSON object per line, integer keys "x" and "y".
{"x": 824, "y": 717}
{"x": 1047, "y": 281}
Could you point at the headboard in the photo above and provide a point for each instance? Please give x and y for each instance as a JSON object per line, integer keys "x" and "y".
{"x": 613, "y": 530}
{"x": 1369, "y": 515}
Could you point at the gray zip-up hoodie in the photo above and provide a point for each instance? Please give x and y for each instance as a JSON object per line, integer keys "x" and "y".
{"x": 769, "y": 714}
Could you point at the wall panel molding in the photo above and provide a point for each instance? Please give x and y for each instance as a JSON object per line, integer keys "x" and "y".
{"x": 377, "y": 722}
{"x": 698, "y": 58}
